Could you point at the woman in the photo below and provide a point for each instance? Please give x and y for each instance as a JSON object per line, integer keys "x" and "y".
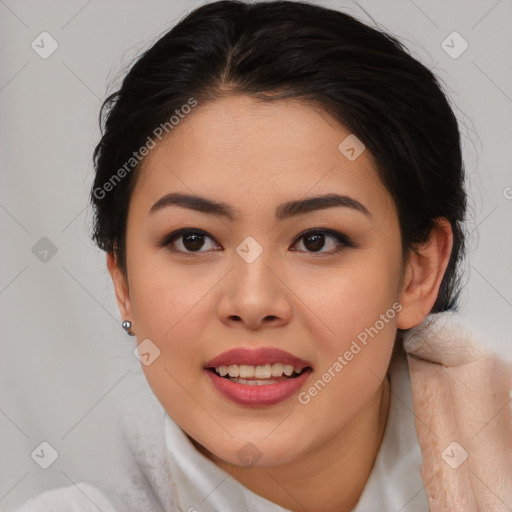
{"x": 280, "y": 193}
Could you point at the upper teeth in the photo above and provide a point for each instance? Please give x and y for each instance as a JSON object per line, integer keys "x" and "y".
{"x": 266, "y": 371}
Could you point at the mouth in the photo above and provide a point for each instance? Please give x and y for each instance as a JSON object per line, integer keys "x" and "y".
{"x": 257, "y": 376}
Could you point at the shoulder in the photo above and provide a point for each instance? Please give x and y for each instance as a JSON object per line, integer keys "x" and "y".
{"x": 79, "y": 498}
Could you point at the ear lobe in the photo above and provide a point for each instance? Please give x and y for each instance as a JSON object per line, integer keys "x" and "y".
{"x": 120, "y": 286}
{"x": 424, "y": 274}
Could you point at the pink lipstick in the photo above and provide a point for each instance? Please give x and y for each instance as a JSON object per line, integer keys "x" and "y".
{"x": 257, "y": 376}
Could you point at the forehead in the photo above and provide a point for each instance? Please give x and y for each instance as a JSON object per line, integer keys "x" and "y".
{"x": 241, "y": 150}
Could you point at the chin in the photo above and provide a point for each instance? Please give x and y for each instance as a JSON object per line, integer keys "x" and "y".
{"x": 254, "y": 452}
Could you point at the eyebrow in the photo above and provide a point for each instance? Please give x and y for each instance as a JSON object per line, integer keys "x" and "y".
{"x": 283, "y": 211}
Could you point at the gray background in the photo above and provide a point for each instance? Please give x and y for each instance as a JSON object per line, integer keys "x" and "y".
{"x": 64, "y": 359}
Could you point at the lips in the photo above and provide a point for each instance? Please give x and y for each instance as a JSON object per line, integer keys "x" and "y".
{"x": 257, "y": 376}
{"x": 256, "y": 357}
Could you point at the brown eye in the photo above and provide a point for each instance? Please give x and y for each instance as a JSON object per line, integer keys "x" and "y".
{"x": 188, "y": 241}
{"x": 315, "y": 241}
{"x": 193, "y": 241}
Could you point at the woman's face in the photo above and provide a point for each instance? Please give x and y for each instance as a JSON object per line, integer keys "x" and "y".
{"x": 257, "y": 279}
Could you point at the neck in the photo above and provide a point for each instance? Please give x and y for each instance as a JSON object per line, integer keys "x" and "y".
{"x": 330, "y": 479}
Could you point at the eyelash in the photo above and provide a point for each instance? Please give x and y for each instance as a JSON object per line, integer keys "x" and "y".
{"x": 342, "y": 239}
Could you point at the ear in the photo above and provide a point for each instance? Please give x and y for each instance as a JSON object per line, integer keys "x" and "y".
{"x": 423, "y": 275}
{"x": 120, "y": 286}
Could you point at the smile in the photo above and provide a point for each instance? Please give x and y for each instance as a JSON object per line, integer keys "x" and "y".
{"x": 257, "y": 377}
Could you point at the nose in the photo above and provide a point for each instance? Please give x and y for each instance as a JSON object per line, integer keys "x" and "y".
{"x": 255, "y": 295}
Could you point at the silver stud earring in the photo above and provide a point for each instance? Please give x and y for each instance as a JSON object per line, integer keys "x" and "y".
{"x": 127, "y": 325}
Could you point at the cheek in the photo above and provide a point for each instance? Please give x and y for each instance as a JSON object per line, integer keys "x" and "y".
{"x": 359, "y": 306}
{"x": 355, "y": 297}
{"x": 354, "y": 356}
{"x": 175, "y": 322}
{"x": 170, "y": 307}
{"x": 166, "y": 297}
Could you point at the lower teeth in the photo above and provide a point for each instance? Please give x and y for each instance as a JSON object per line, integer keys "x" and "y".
{"x": 258, "y": 382}
{"x": 253, "y": 382}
